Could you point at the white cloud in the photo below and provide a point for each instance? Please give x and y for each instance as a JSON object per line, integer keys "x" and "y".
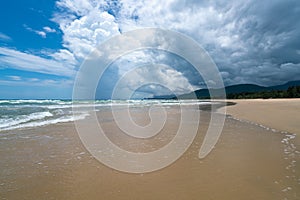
{"x": 48, "y": 29}
{"x": 15, "y": 78}
{"x": 38, "y": 82}
{"x": 155, "y": 79}
{"x": 79, "y": 7}
{"x": 4, "y": 37}
{"x": 42, "y": 33}
{"x": 81, "y": 35}
{"x": 28, "y": 62}
{"x": 64, "y": 56}
{"x": 33, "y": 79}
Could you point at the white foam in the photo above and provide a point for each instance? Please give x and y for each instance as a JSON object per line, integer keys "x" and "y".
{"x": 127, "y": 103}
{"x": 48, "y": 122}
{"x": 7, "y": 122}
{"x": 33, "y": 101}
{"x": 61, "y": 111}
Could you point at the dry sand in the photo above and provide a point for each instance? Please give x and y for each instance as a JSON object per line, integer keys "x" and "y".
{"x": 248, "y": 162}
{"x": 281, "y": 114}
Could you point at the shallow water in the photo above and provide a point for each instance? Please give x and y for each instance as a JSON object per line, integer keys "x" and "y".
{"x": 16, "y": 114}
{"x": 248, "y": 162}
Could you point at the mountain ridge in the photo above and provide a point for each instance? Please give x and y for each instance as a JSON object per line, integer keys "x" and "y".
{"x": 231, "y": 90}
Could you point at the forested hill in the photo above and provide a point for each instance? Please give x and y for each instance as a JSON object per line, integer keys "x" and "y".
{"x": 247, "y": 91}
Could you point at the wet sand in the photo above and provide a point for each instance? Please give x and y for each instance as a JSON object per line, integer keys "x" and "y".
{"x": 281, "y": 114}
{"x": 248, "y": 162}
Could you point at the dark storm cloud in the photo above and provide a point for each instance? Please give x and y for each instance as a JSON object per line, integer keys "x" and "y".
{"x": 269, "y": 45}
{"x": 250, "y": 41}
{"x": 254, "y": 41}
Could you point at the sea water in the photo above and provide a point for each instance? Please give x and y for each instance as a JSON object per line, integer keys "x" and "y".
{"x": 16, "y": 114}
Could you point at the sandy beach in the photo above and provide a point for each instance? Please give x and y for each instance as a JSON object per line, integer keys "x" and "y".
{"x": 249, "y": 162}
{"x": 279, "y": 114}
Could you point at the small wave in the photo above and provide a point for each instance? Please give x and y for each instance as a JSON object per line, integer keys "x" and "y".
{"x": 47, "y": 122}
{"x": 8, "y": 122}
{"x": 32, "y": 102}
{"x": 16, "y": 114}
{"x": 58, "y": 112}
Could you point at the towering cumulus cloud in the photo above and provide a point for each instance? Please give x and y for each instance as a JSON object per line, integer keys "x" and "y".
{"x": 250, "y": 41}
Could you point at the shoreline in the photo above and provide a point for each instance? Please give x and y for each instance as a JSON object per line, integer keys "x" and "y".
{"x": 280, "y": 114}
{"x": 52, "y": 160}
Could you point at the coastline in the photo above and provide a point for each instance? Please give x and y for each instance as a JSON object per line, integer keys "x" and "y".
{"x": 280, "y": 114}
{"x": 248, "y": 162}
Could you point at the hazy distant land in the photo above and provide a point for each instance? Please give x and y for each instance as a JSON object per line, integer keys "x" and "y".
{"x": 245, "y": 91}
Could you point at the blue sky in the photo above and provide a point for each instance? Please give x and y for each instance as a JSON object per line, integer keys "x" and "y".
{"x": 29, "y": 30}
{"x": 43, "y": 42}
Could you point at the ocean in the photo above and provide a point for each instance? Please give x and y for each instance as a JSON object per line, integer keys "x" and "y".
{"x": 17, "y": 114}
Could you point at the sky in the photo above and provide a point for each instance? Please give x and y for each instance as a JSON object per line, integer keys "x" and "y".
{"x": 44, "y": 42}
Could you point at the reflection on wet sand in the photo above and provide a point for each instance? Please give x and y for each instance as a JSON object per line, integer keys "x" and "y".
{"x": 248, "y": 162}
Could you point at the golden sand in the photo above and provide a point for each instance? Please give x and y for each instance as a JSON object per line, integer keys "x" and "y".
{"x": 281, "y": 114}
{"x": 248, "y": 162}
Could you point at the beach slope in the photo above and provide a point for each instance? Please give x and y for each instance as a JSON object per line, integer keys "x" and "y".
{"x": 280, "y": 114}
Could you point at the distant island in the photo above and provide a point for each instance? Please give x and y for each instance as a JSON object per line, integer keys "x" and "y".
{"x": 245, "y": 91}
